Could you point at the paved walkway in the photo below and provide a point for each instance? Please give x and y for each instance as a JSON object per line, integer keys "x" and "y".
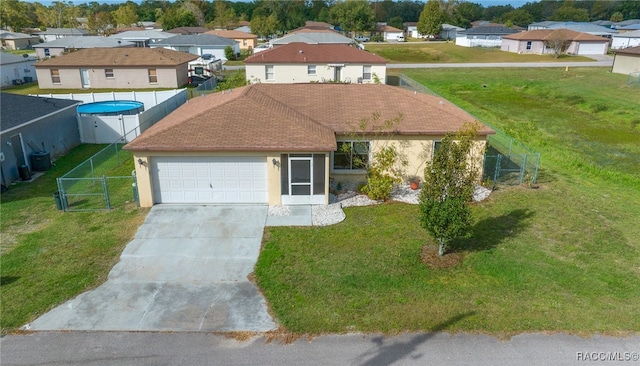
{"x": 185, "y": 270}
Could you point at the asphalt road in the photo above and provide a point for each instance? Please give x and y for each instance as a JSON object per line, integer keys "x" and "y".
{"x": 149, "y": 348}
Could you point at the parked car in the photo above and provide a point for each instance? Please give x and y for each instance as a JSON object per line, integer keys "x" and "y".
{"x": 195, "y": 80}
{"x": 362, "y": 39}
{"x": 400, "y": 38}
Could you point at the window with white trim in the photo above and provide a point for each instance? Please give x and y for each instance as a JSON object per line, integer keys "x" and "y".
{"x": 153, "y": 76}
{"x": 55, "y": 76}
{"x": 528, "y": 45}
{"x": 268, "y": 72}
{"x": 311, "y": 69}
{"x": 366, "y": 72}
{"x": 108, "y": 73}
{"x": 351, "y": 155}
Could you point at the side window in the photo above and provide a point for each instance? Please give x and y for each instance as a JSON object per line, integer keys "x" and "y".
{"x": 108, "y": 73}
{"x": 153, "y": 76}
{"x": 366, "y": 72}
{"x": 351, "y": 155}
{"x": 268, "y": 72}
{"x": 55, "y": 76}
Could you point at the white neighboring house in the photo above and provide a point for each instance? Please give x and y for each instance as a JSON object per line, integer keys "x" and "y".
{"x": 448, "y": 31}
{"x": 199, "y": 44}
{"x": 51, "y": 34}
{"x": 68, "y": 44}
{"x": 305, "y": 63}
{"x": 483, "y": 36}
{"x": 625, "y": 40}
{"x": 389, "y": 33}
{"x": 16, "y": 69}
{"x": 142, "y": 38}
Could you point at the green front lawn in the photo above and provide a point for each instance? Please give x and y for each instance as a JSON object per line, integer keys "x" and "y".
{"x": 48, "y": 256}
{"x": 428, "y": 52}
{"x": 564, "y": 257}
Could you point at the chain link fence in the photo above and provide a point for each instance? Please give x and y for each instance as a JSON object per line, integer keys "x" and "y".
{"x": 102, "y": 182}
{"x": 506, "y": 160}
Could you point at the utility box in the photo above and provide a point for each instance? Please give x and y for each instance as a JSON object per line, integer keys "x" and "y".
{"x": 41, "y": 161}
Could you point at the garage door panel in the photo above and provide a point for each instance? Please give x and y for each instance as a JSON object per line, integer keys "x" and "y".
{"x": 209, "y": 179}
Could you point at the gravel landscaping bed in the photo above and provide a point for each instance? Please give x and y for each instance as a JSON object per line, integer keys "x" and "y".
{"x": 323, "y": 215}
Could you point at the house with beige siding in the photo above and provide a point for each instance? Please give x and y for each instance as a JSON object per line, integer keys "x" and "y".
{"x": 627, "y": 61}
{"x": 115, "y": 68}
{"x": 304, "y": 63}
{"x": 17, "y": 41}
{"x": 283, "y": 143}
{"x": 537, "y": 42}
{"x": 246, "y": 41}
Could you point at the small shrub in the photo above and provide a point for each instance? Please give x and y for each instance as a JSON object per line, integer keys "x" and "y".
{"x": 377, "y": 39}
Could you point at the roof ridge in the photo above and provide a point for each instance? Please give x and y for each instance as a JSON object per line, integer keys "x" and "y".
{"x": 254, "y": 93}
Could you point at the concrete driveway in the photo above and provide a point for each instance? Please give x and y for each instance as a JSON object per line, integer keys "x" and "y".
{"x": 185, "y": 270}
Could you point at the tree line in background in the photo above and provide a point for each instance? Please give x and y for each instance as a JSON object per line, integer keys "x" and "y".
{"x": 279, "y": 16}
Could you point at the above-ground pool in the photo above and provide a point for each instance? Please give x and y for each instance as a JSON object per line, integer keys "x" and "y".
{"x": 111, "y": 108}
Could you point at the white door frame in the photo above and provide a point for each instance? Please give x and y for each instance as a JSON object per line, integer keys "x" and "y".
{"x": 84, "y": 78}
{"x": 307, "y": 199}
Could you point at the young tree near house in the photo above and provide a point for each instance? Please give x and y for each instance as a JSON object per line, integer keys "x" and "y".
{"x": 558, "y": 42}
{"x": 431, "y": 19}
{"x": 448, "y": 186}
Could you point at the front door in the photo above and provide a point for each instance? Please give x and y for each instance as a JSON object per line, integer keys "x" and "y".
{"x": 337, "y": 74}
{"x": 300, "y": 179}
{"x": 303, "y": 179}
{"x": 84, "y": 78}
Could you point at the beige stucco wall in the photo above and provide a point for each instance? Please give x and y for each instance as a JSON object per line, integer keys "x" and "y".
{"x": 131, "y": 78}
{"x": 297, "y": 73}
{"x": 416, "y": 150}
{"x": 625, "y": 64}
{"x": 247, "y": 43}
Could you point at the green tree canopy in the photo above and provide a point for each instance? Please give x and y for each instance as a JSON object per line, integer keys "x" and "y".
{"x": 431, "y": 19}
{"x": 448, "y": 186}
{"x": 353, "y": 16}
{"x": 126, "y": 14}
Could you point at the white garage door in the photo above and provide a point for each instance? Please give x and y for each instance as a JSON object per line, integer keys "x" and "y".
{"x": 205, "y": 179}
{"x": 590, "y": 49}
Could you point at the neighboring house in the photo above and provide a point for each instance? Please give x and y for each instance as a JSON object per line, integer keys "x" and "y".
{"x": 246, "y": 41}
{"x": 483, "y": 36}
{"x": 282, "y": 143}
{"x": 627, "y": 61}
{"x": 115, "y": 68}
{"x": 448, "y": 31}
{"x": 313, "y": 37}
{"x": 628, "y": 28}
{"x": 200, "y": 44}
{"x": 142, "y": 38}
{"x": 625, "y": 23}
{"x": 583, "y": 27}
{"x": 304, "y": 63}
{"x": 17, "y": 41}
{"x": 536, "y": 42}
{"x": 70, "y": 44}
{"x": 16, "y": 69}
{"x": 34, "y": 125}
{"x": 244, "y": 28}
{"x": 625, "y": 40}
{"x": 52, "y": 34}
{"x": 388, "y": 32}
{"x": 185, "y": 31}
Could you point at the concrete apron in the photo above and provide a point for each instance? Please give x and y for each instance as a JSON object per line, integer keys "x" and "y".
{"x": 185, "y": 270}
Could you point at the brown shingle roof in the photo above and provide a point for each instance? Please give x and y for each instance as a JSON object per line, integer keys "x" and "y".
{"x": 298, "y": 52}
{"x": 295, "y": 117}
{"x": 231, "y": 34}
{"x": 629, "y": 51}
{"x": 103, "y": 57}
{"x": 549, "y": 34}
